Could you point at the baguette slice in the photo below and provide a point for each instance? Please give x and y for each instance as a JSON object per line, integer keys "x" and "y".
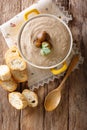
{"x": 9, "y": 85}
{"x": 17, "y": 100}
{"x": 13, "y": 51}
{"x": 4, "y": 72}
{"x": 20, "y": 76}
{"x": 16, "y": 63}
{"x": 31, "y": 97}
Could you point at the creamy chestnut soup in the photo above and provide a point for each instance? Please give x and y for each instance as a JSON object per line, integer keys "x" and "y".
{"x": 60, "y": 40}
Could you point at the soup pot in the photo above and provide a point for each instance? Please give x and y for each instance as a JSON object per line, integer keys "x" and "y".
{"x": 57, "y": 67}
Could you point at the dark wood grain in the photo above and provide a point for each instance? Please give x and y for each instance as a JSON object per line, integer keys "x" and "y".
{"x": 71, "y": 113}
{"x": 78, "y": 80}
{"x": 9, "y": 117}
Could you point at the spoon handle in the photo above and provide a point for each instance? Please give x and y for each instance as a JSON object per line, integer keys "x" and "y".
{"x": 73, "y": 63}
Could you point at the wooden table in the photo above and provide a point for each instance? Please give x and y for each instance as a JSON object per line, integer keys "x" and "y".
{"x": 71, "y": 114}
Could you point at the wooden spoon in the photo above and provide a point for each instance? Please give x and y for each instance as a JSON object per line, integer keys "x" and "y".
{"x": 53, "y": 98}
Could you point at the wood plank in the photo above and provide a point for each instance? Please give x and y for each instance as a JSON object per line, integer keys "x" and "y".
{"x": 58, "y": 119}
{"x": 9, "y": 117}
{"x": 33, "y": 117}
{"x": 78, "y": 80}
{"x": 38, "y": 118}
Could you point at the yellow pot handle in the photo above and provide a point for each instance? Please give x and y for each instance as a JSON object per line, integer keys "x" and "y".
{"x": 59, "y": 71}
{"x": 29, "y": 12}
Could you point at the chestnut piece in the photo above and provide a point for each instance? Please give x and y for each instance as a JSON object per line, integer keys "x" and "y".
{"x": 38, "y": 43}
{"x": 43, "y": 36}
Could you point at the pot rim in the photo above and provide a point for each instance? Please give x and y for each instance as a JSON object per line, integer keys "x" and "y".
{"x": 43, "y": 67}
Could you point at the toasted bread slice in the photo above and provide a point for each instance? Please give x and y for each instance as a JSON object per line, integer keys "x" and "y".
{"x": 16, "y": 63}
{"x": 17, "y": 100}
{"x": 20, "y": 76}
{"x": 31, "y": 97}
{"x": 13, "y": 51}
{"x": 4, "y": 72}
{"x": 9, "y": 85}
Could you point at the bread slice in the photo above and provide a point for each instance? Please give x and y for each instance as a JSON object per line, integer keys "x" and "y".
{"x": 16, "y": 63}
{"x": 31, "y": 97}
{"x": 20, "y": 76}
{"x": 9, "y": 85}
{"x": 4, "y": 72}
{"x": 17, "y": 100}
{"x": 13, "y": 51}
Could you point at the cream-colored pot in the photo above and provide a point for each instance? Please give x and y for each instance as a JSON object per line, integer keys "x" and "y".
{"x": 62, "y": 66}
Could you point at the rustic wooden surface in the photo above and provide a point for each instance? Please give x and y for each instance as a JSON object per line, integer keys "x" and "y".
{"x": 71, "y": 114}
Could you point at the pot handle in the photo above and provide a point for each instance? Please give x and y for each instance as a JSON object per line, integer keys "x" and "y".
{"x": 59, "y": 71}
{"x": 29, "y": 12}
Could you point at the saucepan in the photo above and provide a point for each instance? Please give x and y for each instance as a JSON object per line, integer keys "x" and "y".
{"x": 56, "y": 61}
